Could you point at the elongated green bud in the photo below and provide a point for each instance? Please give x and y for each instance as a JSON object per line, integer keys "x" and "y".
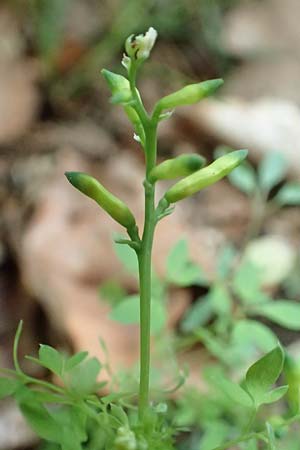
{"x": 111, "y": 204}
{"x": 119, "y": 87}
{"x": 205, "y": 177}
{"x": 177, "y": 167}
{"x": 188, "y": 95}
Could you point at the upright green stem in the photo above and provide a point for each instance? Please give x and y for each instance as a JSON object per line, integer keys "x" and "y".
{"x": 145, "y": 257}
{"x": 145, "y": 299}
{"x": 145, "y": 250}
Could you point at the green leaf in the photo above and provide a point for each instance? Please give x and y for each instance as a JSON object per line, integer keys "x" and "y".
{"x": 72, "y": 423}
{"x": 128, "y": 312}
{"x": 197, "y": 315}
{"x": 220, "y": 299}
{"x": 275, "y": 395}
{"x": 272, "y": 170}
{"x": 247, "y": 283}
{"x": 263, "y": 374}
{"x": 180, "y": 269}
{"x": 128, "y": 258}
{"x": 244, "y": 178}
{"x": 226, "y": 257}
{"x": 217, "y": 347}
{"x": 251, "y": 445}
{"x": 289, "y": 194}
{"x": 82, "y": 379}
{"x": 119, "y": 413}
{"x": 283, "y": 312}
{"x": 75, "y": 360}
{"x": 271, "y": 437}
{"x": 248, "y": 336}
{"x": 112, "y": 292}
{"x": 51, "y": 359}
{"x": 37, "y": 416}
{"x": 8, "y": 387}
{"x": 232, "y": 390}
{"x": 215, "y": 433}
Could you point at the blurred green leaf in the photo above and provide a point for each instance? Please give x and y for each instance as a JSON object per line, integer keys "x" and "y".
{"x": 112, "y": 291}
{"x": 275, "y": 395}
{"x": 263, "y": 374}
{"x": 226, "y": 257}
{"x": 82, "y": 378}
{"x": 232, "y": 390}
{"x": 72, "y": 423}
{"x": 128, "y": 257}
{"x": 220, "y": 299}
{"x": 289, "y": 194}
{"x": 283, "y": 312}
{"x": 75, "y": 360}
{"x": 251, "y": 445}
{"x": 248, "y": 336}
{"x": 119, "y": 413}
{"x": 215, "y": 433}
{"x": 244, "y": 178}
{"x": 217, "y": 347}
{"x": 8, "y": 387}
{"x": 271, "y": 437}
{"x": 180, "y": 269}
{"x": 38, "y": 416}
{"x": 50, "y": 358}
{"x": 247, "y": 283}
{"x": 272, "y": 170}
{"x": 128, "y": 312}
{"x": 197, "y": 315}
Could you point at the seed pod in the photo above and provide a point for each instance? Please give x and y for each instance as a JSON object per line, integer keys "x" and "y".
{"x": 119, "y": 87}
{"x": 177, "y": 167}
{"x": 205, "y": 177}
{"x": 188, "y": 95}
{"x": 111, "y": 204}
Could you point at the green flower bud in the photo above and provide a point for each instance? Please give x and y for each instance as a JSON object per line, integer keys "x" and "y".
{"x": 177, "y": 167}
{"x": 111, "y": 204}
{"x": 119, "y": 87}
{"x": 188, "y": 95}
{"x": 205, "y": 177}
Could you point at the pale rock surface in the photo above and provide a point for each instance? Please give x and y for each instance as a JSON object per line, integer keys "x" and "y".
{"x": 14, "y": 432}
{"x": 266, "y": 36}
{"x": 261, "y": 126}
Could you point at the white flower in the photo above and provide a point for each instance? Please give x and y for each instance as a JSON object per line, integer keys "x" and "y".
{"x": 142, "y": 44}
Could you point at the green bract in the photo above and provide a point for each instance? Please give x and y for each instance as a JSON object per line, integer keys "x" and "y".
{"x": 177, "y": 167}
{"x": 119, "y": 87}
{"x": 111, "y": 204}
{"x": 205, "y": 177}
{"x": 190, "y": 94}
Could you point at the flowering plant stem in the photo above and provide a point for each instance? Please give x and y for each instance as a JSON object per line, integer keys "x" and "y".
{"x": 144, "y": 253}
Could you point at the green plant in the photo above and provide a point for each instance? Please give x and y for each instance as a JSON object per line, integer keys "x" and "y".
{"x": 73, "y": 414}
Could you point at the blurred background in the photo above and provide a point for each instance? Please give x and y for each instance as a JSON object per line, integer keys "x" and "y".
{"x": 56, "y": 247}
